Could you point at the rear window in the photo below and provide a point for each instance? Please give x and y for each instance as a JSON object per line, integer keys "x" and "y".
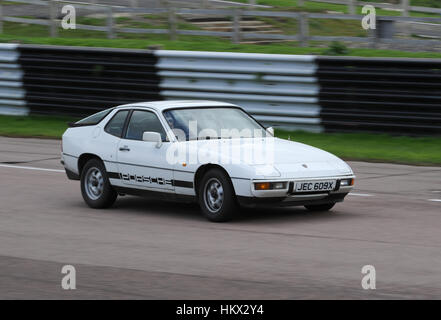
{"x": 93, "y": 119}
{"x": 115, "y": 126}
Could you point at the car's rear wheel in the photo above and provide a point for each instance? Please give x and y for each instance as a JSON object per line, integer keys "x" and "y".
{"x": 216, "y": 196}
{"x": 95, "y": 186}
{"x": 320, "y": 207}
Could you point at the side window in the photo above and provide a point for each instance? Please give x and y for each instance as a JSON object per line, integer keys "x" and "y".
{"x": 142, "y": 121}
{"x": 93, "y": 119}
{"x": 116, "y": 125}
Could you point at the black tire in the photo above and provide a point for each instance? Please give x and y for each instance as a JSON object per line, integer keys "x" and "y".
{"x": 228, "y": 206}
{"x": 107, "y": 196}
{"x": 320, "y": 207}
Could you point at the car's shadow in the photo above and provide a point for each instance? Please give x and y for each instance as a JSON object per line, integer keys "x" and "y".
{"x": 191, "y": 211}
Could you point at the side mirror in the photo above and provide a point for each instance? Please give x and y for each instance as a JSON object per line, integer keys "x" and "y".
{"x": 270, "y": 130}
{"x": 149, "y": 136}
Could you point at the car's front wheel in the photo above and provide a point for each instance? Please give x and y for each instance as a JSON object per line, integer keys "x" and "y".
{"x": 95, "y": 186}
{"x": 216, "y": 196}
{"x": 320, "y": 207}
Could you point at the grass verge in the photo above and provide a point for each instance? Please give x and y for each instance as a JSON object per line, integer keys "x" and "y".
{"x": 33, "y": 126}
{"x": 210, "y": 44}
{"x": 373, "y": 147}
{"x": 36, "y": 34}
{"x": 349, "y": 146}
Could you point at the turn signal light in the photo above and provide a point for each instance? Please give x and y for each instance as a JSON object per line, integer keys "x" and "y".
{"x": 262, "y": 186}
{"x": 346, "y": 182}
{"x": 270, "y": 185}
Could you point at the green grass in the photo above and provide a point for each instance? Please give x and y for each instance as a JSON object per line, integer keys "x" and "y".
{"x": 11, "y": 3}
{"x": 366, "y": 147}
{"x": 318, "y": 27}
{"x": 207, "y": 44}
{"x": 33, "y": 126}
{"x": 36, "y": 34}
{"x": 312, "y": 6}
{"x": 373, "y": 147}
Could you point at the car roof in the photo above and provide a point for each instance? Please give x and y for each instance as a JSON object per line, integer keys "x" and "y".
{"x": 175, "y": 104}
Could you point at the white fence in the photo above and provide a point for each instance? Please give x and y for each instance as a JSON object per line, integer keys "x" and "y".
{"x": 404, "y": 5}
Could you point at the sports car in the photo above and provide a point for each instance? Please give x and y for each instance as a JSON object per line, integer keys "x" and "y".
{"x": 213, "y": 153}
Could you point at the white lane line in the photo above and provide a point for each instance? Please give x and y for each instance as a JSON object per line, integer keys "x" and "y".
{"x": 360, "y": 194}
{"x": 29, "y": 168}
{"x": 436, "y": 200}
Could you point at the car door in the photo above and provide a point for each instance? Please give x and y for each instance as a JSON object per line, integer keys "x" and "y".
{"x": 142, "y": 164}
{"x": 109, "y": 143}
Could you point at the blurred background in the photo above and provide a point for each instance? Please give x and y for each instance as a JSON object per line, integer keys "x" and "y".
{"x": 322, "y": 72}
{"x": 268, "y": 22}
{"x": 307, "y": 68}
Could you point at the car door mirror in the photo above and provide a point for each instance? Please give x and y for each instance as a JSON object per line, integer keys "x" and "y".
{"x": 149, "y": 136}
{"x": 270, "y": 130}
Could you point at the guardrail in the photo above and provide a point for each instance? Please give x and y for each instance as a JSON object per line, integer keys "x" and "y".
{"x": 12, "y": 93}
{"x": 296, "y": 92}
{"x": 79, "y": 81}
{"x": 236, "y": 15}
{"x": 276, "y": 89}
{"x": 380, "y": 94}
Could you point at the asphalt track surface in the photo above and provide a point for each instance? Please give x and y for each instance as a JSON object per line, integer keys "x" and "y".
{"x": 147, "y": 249}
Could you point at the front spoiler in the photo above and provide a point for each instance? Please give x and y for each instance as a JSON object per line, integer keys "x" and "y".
{"x": 71, "y": 175}
{"x": 290, "y": 201}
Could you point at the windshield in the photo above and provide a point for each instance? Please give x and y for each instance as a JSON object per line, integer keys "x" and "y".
{"x": 212, "y": 123}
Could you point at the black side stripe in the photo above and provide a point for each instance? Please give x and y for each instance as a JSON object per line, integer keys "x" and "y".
{"x": 143, "y": 166}
{"x": 182, "y": 184}
{"x": 113, "y": 175}
{"x": 175, "y": 183}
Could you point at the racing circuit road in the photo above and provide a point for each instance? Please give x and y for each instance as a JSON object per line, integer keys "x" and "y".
{"x": 146, "y": 249}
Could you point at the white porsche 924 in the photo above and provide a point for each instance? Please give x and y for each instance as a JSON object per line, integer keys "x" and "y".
{"x": 210, "y": 152}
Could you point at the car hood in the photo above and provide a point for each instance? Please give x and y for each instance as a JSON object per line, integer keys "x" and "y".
{"x": 294, "y": 159}
{"x": 274, "y": 157}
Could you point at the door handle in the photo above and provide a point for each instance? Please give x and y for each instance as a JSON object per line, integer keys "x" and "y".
{"x": 125, "y": 148}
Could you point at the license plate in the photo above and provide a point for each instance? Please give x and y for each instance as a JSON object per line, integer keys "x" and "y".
{"x": 312, "y": 186}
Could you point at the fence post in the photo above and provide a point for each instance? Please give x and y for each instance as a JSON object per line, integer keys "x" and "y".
{"x": 133, "y": 5}
{"x": 300, "y": 3}
{"x": 204, "y": 4}
{"x": 252, "y": 2}
{"x": 406, "y": 24}
{"x": 53, "y": 17}
{"x": 405, "y": 6}
{"x": 236, "y": 26}
{"x": 172, "y": 23}
{"x": 1, "y": 18}
{"x": 351, "y": 6}
{"x": 373, "y": 36}
{"x": 110, "y": 33}
{"x": 303, "y": 29}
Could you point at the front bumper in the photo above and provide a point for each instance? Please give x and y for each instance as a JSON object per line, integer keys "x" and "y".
{"x": 290, "y": 201}
{"x": 289, "y": 197}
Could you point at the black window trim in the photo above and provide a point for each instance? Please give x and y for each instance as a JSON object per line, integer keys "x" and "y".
{"x": 129, "y": 117}
{"x": 124, "y": 125}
